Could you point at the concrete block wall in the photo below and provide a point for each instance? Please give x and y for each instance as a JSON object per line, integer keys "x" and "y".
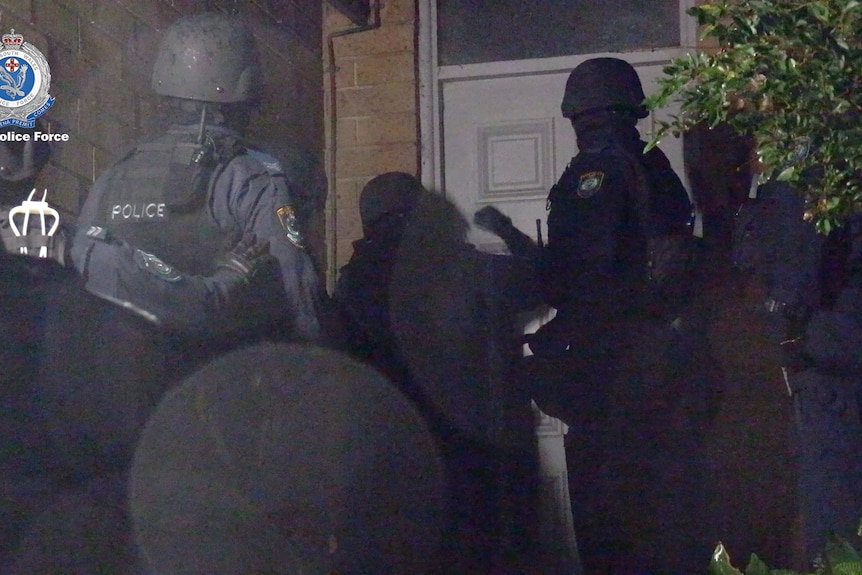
{"x": 101, "y": 54}
{"x": 376, "y": 113}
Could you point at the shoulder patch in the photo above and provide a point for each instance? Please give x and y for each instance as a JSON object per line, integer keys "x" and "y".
{"x": 590, "y": 183}
{"x": 272, "y": 165}
{"x": 287, "y": 218}
{"x": 155, "y": 266}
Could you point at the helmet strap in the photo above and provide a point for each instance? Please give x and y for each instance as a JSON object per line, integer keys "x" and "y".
{"x": 203, "y": 124}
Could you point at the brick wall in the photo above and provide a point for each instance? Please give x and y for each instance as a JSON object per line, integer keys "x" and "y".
{"x": 101, "y": 53}
{"x": 376, "y": 111}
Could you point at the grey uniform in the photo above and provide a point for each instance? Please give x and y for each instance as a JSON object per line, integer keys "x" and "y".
{"x": 150, "y": 235}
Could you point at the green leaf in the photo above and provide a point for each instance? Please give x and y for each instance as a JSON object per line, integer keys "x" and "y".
{"x": 720, "y": 563}
{"x": 838, "y": 551}
{"x": 783, "y": 70}
{"x": 819, "y": 10}
{"x": 787, "y": 174}
{"x": 849, "y": 568}
{"x": 756, "y": 566}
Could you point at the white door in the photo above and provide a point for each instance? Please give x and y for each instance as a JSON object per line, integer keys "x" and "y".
{"x": 493, "y": 134}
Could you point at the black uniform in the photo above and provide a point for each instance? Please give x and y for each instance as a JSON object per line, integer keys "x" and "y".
{"x": 611, "y": 201}
{"x": 610, "y": 213}
{"x": 614, "y": 363}
{"x": 814, "y": 312}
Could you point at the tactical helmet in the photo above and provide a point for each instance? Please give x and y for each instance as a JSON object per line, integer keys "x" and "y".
{"x": 389, "y": 193}
{"x": 208, "y": 57}
{"x": 603, "y": 83}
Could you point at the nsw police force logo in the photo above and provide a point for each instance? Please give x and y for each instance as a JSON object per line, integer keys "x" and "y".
{"x": 24, "y": 82}
{"x": 589, "y": 184}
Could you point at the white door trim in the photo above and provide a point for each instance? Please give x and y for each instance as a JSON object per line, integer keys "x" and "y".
{"x": 429, "y": 113}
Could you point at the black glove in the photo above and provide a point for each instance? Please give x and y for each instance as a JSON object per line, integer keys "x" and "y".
{"x": 519, "y": 244}
{"x": 493, "y": 220}
{"x": 247, "y": 257}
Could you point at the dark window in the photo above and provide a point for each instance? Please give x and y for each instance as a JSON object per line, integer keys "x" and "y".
{"x": 470, "y": 31}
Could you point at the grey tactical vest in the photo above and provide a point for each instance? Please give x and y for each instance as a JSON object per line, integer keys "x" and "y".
{"x": 157, "y": 199}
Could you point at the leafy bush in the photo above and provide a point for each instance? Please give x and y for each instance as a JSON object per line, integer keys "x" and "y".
{"x": 789, "y": 73}
{"x": 839, "y": 558}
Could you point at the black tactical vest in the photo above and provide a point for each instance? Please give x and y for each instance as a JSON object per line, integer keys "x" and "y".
{"x": 157, "y": 199}
{"x": 654, "y": 248}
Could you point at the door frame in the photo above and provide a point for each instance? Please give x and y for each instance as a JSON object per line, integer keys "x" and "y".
{"x": 432, "y": 78}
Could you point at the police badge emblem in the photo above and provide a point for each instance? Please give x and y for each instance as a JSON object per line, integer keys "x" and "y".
{"x": 151, "y": 263}
{"x": 25, "y": 78}
{"x": 589, "y": 184}
{"x": 287, "y": 218}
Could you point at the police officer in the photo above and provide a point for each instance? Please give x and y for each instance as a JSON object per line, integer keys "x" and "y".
{"x": 612, "y": 200}
{"x": 615, "y": 269}
{"x": 185, "y": 221}
{"x": 829, "y": 424}
{"x": 813, "y": 310}
{"x": 192, "y": 234}
{"x": 362, "y": 290}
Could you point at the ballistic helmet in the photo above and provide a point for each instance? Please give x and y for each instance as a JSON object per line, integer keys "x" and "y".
{"x": 389, "y": 193}
{"x": 603, "y": 83}
{"x": 208, "y": 57}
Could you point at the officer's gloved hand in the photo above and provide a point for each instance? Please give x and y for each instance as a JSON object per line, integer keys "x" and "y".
{"x": 519, "y": 244}
{"x": 492, "y": 220}
{"x": 247, "y": 258}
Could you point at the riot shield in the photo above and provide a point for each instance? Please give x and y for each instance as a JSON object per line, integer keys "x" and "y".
{"x": 282, "y": 458}
{"x": 439, "y": 322}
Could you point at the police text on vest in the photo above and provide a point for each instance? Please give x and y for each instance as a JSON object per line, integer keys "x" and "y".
{"x": 143, "y": 211}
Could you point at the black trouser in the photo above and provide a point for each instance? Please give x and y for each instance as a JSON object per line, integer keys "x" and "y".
{"x": 829, "y": 435}
{"x": 638, "y": 408}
